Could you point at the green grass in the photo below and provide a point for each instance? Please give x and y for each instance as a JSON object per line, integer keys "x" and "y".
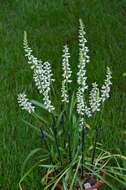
{"x": 49, "y": 25}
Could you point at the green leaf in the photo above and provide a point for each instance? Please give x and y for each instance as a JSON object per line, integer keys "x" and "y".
{"x": 36, "y": 103}
{"x": 28, "y": 172}
{"x": 48, "y": 166}
{"x": 30, "y": 155}
{"x": 78, "y": 165}
{"x": 32, "y": 126}
{"x": 64, "y": 184}
{"x": 72, "y": 104}
{"x": 40, "y": 118}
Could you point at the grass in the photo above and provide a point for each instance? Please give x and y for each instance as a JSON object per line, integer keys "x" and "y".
{"x": 50, "y": 24}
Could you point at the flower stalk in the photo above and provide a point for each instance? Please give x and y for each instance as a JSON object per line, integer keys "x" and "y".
{"x": 66, "y": 75}
{"x": 83, "y": 147}
{"x": 97, "y": 130}
{"x": 43, "y": 139}
{"x": 62, "y": 122}
{"x": 69, "y": 146}
{"x": 56, "y": 140}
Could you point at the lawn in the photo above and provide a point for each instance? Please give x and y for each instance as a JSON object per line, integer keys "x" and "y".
{"x": 51, "y": 24}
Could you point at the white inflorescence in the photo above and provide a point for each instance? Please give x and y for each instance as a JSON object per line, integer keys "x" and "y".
{"x": 42, "y": 75}
{"x": 84, "y": 58}
{"x": 82, "y": 107}
{"x": 66, "y": 74}
{"x": 105, "y": 90}
{"x": 80, "y": 102}
{"x": 24, "y": 103}
{"x": 94, "y": 99}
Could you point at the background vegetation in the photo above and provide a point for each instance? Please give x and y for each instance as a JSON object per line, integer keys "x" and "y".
{"x": 50, "y": 24}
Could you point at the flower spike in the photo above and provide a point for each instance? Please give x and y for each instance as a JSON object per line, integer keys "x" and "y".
{"x": 24, "y": 103}
{"x": 66, "y": 74}
{"x": 42, "y": 74}
{"x": 94, "y": 99}
{"x": 105, "y": 90}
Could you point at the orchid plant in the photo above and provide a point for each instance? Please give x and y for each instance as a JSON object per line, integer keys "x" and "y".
{"x": 65, "y": 135}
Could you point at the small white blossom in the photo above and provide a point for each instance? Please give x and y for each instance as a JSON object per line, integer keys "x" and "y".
{"x": 82, "y": 108}
{"x": 47, "y": 102}
{"x": 81, "y": 122}
{"x": 33, "y": 61}
{"x": 42, "y": 75}
{"x": 66, "y": 74}
{"x": 80, "y": 102}
{"x": 64, "y": 94}
{"x": 81, "y": 75}
{"x": 88, "y": 111}
{"x": 105, "y": 90}
{"x": 94, "y": 99}
{"x": 24, "y": 103}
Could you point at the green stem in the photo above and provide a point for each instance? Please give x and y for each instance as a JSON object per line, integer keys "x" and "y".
{"x": 46, "y": 144}
{"x": 56, "y": 141}
{"x": 95, "y": 143}
{"x": 62, "y": 124}
{"x": 83, "y": 144}
{"x": 69, "y": 145}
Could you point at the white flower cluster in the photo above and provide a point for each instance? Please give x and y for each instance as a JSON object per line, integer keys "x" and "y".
{"x": 105, "y": 90}
{"x": 42, "y": 75}
{"x": 82, "y": 107}
{"x": 66, "y": 74}
{"x": 24, "y": 103}
{"x": 94, "y": 99}
{"x": 82, "y": 123}
{"x": 84, "y": 58}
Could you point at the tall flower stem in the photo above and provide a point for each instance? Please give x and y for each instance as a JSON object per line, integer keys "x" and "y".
{"x": 69, "y": 146}
{"x": 62, "y": 125}
{"x": 56, "y": 141}
{"x": 82, "y": 148}
{"x": 43, "y": 139}
{"x": 95, "y": 143}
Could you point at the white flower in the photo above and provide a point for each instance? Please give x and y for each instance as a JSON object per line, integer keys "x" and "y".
{"x": 84, "y": 58}
{"x": 47, "y": 102}
{"x": 87, "y": 111}
{"x": 33, "y": 61}
{"x": 66, "y": 74}
{"x": 43, "y": 79}
{"x": 81, "y": 122}
{"x": 64, "y": 94}
{"x": 24, "y": 103}
{"x": 80, "y": 102}
{"x": 94, "y": 99}
{"x": 82, "y": 107}
{"x": 81, "y": 75}
{"x": 42, "y": 75}
{"x": 105, "y": 90}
